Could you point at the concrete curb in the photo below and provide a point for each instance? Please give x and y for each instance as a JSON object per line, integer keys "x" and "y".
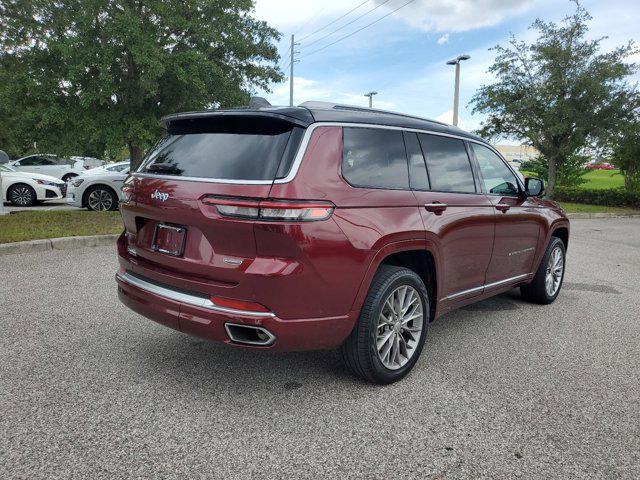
{"x": 64, "y": 243}
{"x": 579, "y": 215}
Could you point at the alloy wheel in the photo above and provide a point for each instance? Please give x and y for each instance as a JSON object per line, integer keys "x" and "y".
{"x": 100, "y": 200}
{"x": 21, "y": 195}
{"x": 555, "y": 269}
{"x": 400, "y": 325}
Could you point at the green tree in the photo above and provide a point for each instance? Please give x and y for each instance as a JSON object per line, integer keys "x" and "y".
{"x": 560, "y": 93}
{"x": 98, "y": 74}
{"x": 625, "y": 154}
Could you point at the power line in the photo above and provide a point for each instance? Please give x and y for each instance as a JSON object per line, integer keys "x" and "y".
{"x": 358, "y": 30}
{"x": 331, "y": 23}
{"x": 347, "y": 24}
{"x": 309, "y": 20}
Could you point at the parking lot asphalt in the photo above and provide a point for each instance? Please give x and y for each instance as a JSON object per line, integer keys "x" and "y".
{"x": 504, "y": 389}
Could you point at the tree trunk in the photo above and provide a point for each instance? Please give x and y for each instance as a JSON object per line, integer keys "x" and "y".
{"x": 135, "y": 155}
{"x": 553, "y": 176}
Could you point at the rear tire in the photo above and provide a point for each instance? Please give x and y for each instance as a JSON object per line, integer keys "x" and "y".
{"x": 22, "y": 195}
{"x": 68, "y": 177}
{"x": 396, "y": 309}
{"x": 546, "y": 284}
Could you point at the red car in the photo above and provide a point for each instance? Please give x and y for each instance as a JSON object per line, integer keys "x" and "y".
{"x": 324, "y": 226}
{"x": 600, "y": 166}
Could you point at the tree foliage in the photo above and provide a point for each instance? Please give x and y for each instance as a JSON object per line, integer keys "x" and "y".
{"x": 83, "y": 76}
{"x": 625, "y": 154}
{"x": 560, "y": 93}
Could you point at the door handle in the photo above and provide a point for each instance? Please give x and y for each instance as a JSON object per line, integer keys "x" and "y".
{"x": 503, "y": 207}
{"x": 436, "y": 207}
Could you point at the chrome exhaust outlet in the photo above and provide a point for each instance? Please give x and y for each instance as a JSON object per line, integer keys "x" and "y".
{"x": 249, "y": 335}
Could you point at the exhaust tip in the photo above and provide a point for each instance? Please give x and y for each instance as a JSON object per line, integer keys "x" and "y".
{"x": 249, "y": 334}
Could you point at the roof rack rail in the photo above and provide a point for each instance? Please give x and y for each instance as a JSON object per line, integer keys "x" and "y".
{"x": 338, "y": 106}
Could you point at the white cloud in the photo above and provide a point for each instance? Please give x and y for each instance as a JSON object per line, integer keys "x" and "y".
{"x": 290, "y": 15}
{"x": 457, "y": 15}
{"x": 443, "y": 39}
{"x": 438, "y": 15}
{"x": 306, "y": 89}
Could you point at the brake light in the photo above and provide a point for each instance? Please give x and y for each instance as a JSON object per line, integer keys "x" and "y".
{"x": 235, "y": 207}
{"x": 238, "y": 304}
{"x": 273, "y": 210}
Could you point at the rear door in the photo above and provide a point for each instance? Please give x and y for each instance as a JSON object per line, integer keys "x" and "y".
{"x": 456, "y": 215}
{"x": 171, "y": 215}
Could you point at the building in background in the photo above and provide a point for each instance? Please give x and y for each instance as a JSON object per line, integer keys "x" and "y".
{"x": 516, "y": 154}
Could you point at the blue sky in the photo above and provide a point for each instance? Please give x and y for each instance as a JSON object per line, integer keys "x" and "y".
{"x": 403, "y": 56}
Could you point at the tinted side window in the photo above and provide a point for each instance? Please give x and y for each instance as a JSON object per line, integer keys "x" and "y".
{"x": 374, "y": 157}
{"x": 418, "y": 178}
{"x": 496, "y": 176}
{"x": 448, "y": 164}
{"x": 29, "y": 161}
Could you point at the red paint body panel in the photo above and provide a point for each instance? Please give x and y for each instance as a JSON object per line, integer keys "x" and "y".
{"x": 314, "y": 276}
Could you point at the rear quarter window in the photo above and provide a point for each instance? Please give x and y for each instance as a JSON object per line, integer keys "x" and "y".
{"x": 374, "y": 157}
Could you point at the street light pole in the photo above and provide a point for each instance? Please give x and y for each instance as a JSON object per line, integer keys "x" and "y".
{"x": 370, "y": 95}
{"x": 456, "y": 91}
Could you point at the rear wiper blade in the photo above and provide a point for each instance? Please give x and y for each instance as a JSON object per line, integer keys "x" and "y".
{"x": 164, "y": 168}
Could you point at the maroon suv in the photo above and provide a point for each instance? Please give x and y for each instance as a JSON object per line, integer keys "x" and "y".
{"x": 325, "y": 226}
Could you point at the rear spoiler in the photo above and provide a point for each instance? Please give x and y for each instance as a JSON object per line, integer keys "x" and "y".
{"x": 300, "y": 117}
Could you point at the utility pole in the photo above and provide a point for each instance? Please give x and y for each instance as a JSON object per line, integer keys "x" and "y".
{"x": 370, "y": 95}
{"x": 456, "y": 90}
{"x": 291, "y": 71}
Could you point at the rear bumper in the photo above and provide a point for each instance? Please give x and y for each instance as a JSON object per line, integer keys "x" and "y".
{"x": 189, "y": 314}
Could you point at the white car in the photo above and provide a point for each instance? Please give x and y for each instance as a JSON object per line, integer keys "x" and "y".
{"x": 109, "y": 167}
{"x": 97, "y": 190}
{"x": 62, "y": 168}
{"x": 25, "y": 189}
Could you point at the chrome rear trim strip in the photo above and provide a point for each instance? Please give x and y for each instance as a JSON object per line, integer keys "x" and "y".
{"x": 182, "y": 297}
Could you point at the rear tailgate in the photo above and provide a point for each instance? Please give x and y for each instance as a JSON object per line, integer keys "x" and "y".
{"x": 225, "y": 156}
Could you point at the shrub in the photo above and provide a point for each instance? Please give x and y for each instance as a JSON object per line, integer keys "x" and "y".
{"x": 612, "y": 197}
{"x": 569, "y": 173}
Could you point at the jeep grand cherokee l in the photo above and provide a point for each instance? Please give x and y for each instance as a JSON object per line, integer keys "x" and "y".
{"x": 324, "y": 226}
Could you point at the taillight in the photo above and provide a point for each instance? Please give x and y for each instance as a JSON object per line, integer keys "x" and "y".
{"x": 235, "y": 207}
{"x": 238, "y": 304}
{"x": 272, "y": 210}
{"x": 127, "y": 189}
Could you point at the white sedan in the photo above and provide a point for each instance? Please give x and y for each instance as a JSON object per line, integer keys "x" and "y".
{"x": 47, "y": 164}
{"x": 97, "y": 190}
{"x": 25, "y": 189}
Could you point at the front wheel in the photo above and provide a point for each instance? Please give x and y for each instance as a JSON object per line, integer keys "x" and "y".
{"x": 101, "y": 199}
{"x": 388, "y": 337}
{"x": 22, "y": 195}
{"x": 547, "y": 282}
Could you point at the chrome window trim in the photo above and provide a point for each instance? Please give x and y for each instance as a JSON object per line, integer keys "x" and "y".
{"x": 182, "y": 297}
{"x": 302, "y": 149}
{"x": 488, "y": 285}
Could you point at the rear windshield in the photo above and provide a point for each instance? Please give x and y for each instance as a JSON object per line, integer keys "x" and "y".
{"x": 226, "y": 152}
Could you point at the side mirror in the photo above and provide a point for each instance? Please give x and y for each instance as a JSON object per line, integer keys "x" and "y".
{"x": 533, "y": 187}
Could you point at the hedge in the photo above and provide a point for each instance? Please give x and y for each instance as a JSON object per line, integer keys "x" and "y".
{"x": 612, "y": 197}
